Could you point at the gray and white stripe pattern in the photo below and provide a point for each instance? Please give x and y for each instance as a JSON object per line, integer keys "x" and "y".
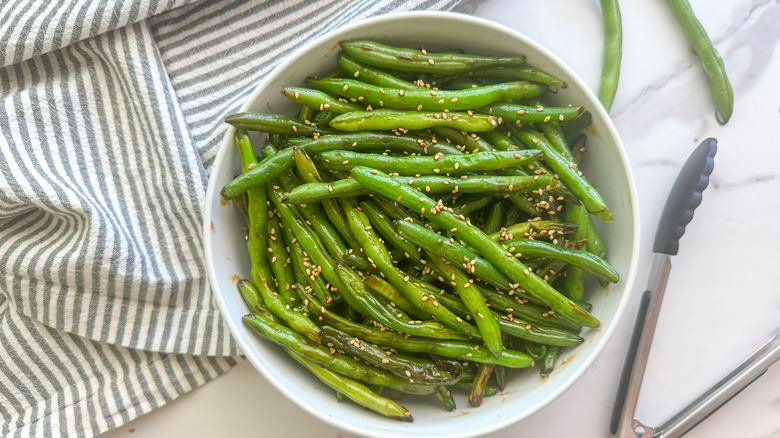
{"x": 107, "y": 118}
{"x": 216, "y": 61}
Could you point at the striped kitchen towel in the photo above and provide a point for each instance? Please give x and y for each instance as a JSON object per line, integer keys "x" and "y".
{"x": 110, "y": 115}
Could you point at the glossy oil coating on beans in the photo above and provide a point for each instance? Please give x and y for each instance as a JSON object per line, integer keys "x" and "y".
{"x": 513, "y": 112}
{"x": 419, "y": 98}
{"x": 510, "y": 266}
{"x": 312, "y": 192}
{"x": 387, "y": 120}
{"x": 582, "y": 259}
{"x": 396, "y": 58}
{"x": 417, "y": 278}
{"x": 437, "y": 165}
{"x": 356, "y": 392}
{"x": 417, "y": 369}
{"x": 342, "y": 364}
{"x": 273, "y": 166}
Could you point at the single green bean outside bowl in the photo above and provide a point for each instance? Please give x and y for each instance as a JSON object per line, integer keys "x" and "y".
{"x": 604, "y": 163}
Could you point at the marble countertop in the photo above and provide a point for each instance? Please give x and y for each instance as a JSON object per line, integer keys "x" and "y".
{"x": 722, "y": 299}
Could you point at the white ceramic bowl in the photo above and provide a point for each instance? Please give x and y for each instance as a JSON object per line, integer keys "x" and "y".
{"x": 605, "y": 165}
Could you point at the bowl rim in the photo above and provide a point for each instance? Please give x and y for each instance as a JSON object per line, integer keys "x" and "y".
{"x": 573, "y": 78}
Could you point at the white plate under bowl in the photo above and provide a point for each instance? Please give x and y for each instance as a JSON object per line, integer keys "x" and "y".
{"x": 605, "y": 166}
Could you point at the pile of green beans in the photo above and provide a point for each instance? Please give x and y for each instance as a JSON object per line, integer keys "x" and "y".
{"x": 393, "y": 247}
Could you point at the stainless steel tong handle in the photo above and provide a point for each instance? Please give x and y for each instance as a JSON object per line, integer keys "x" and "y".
{"x": 735, "y": 381}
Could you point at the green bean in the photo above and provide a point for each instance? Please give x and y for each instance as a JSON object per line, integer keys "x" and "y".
{"x": 387, "y": 119}
{"x": 318, "y": 99}
{"x": 370, "y": 74}
{"x": 312, "y": 192}
{"x": 467, "y": 142}
{"x": 308, "y": 240}
{"x": 499, "y": 375}
{"x": 537, "y": 351}
{"x": 279, "y": 257}
{"x": 257, "y": 216}
{"x": 395, "y": 58}
{"x": 577, "y": 124}
{"x": 519, "y": 328}
{"x": 554, "y": 134}
{"x": 399, "y": 364}
{"x": 490, "y": 390}
{"x": 477, "y": 391}
{"x": 495, "y": 215}
{"x": 274, "y": 124}
{"x": 453, "y": 252}
{"x": 547, "y": 363}
{"x": 445, "y": 399}
{"x": 566, "y": 169}
{"x": 384, "y": 225}
{"x": 355, "y": 391}
{"x": 391, "y": 208}
{"x": 419, "y": 98}
{"x": 581, "y": 259}
{"x": 499, "y": 141}
{"x": 574, "y": 286}
{"x": 323, "y": 118}
{"x": 523, "y": 72}
{"x": 478, "y": 240}
{"x": 339, "y": 363}
{"x": 256, "y": 243}
{"x": 475, "y": 304}
{"x": 613, "y": 52}
{"x": 466, "y": 206}
{"x": 272, "y": 167}
{"x": 533, "y": 229}
{"x": 253, "y": 300}
{"x": 523, "y": 310}
{"x": 711, "y": 62}
{"x": 309, "y": 173}
{"x": 456, "y": 349}
{"x": 306, "y": 114}
{"x": 375, "y": 251}
{"x": 357, "y": 260}
{"x": 413, "y": 165}
{"x": 390, "y": 293}
{"x": 308, "y": 282}
{"x": 361, "y": 299}
{"x": 513, "y": 112}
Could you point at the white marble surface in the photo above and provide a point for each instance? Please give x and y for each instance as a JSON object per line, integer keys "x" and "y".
{"x": 723, "y": 297}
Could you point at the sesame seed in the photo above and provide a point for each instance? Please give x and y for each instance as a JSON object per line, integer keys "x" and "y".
{"x": 357, "y": 73}
{"x": 431, "y": 61}
{"x": 419, "y": 107}
{"x": 346, "y": 87}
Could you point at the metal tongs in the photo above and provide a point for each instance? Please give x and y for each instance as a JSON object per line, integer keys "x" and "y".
{"x": 685, "y": 196}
